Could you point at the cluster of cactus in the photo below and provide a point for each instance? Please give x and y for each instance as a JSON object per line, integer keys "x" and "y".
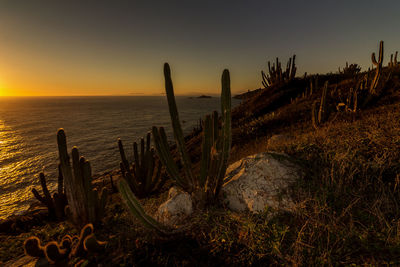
{"x": 378, "y": 71}
{"x": 319, "y": 117}
{"x": 144, "y": 175}
{"x": 350, "y": 70}
{"x": 217, "y": 138}
{"x": 70, "y": 247}
{"x": 84, "y": 203}
{"x": 276, "y": 75}
{"x": 393, "y": 62}
{"x": 55, "y": 204}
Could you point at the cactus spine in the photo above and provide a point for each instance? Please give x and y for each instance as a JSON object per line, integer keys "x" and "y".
{"x": 55, "y": 204}
{"x": 84, "y": 203}
{"x": 378, "y": 65}
{"x": 143, "y": 177}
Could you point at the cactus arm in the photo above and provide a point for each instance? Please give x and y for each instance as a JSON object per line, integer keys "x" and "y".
{"x": 322, "y": 107}
{"x": 136, "y": 167}
{"x": 91, "y": 195}
{"x": 123, "y": 155}
{"x": 60, "y": 187}
{"x": 378, "y": 65}
{"x": 164, "y": 153}
{"x": 226, "y": 127}
{"x": 67, "y": 174}
{"x": 176, "y": 125}
{"x": 136, "y": 209}
{"x": 205, "y": 155}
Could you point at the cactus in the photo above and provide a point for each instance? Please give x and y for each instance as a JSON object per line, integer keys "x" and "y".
{"x": 55, "y": 204}
{"x": 84, "y": 203}
{"x": 350, "y": 70}
{"x": 69, "y": 247}
{"x": 216, "y": 146}
{"x": 33, "y": 248}
{"x": 378, "y": 65}
{"x": 54, "y": 253}
{"x": 276, "y": 75}
{"x": 320, "y": 117}
{"x": 144, "y": 177}
{"x": 393, "y": 63}
{"x": 137, "y": 210}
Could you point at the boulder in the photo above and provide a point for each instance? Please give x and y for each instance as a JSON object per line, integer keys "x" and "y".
{"x": 176, "y": 209}
{"x": 260, "y": 181}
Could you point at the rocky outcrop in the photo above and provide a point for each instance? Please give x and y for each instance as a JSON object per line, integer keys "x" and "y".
{"x": 260, "y": 181}
{"x": 176, "y": 209}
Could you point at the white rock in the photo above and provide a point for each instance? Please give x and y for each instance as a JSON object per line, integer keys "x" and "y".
{"x": 258, "y": 181}
{"x": 177, "y": 208}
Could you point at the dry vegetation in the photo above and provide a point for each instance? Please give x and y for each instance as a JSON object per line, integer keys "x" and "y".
{"x": 347, "y": 208}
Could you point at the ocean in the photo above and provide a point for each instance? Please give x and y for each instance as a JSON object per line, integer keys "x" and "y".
{"x": 28, "y": 128}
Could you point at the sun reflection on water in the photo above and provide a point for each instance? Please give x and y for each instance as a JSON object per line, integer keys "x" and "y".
{"x": 10, "y": 173}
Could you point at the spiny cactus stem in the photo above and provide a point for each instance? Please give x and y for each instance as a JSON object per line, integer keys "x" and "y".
{"x": 176, "y": 125}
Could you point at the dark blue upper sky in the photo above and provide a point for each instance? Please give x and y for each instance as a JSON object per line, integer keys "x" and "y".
{"x": 119, "y": 47}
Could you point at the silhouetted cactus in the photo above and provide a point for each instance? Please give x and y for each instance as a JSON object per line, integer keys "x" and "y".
{"x": 393, "y": 63}
{"x": 216, "y": 146}
{"x": 56, "y": 204}
{"x": 69, "y": 247}
{"x": 320, "y": 117}
{"x": 378, "y": 71}
{"x": 144, "y": 175}
{"x": 84, "y": 203}
{"x": 350, "y": 70}
{"x": 276, "y": 75}
{"x": 217, "y": 139}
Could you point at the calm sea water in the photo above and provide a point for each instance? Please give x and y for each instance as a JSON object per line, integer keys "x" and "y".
{"x": 28, "y": 129}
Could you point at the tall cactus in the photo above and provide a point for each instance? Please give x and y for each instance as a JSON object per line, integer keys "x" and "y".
{"x": 84, "y": 203}
{"x": 320, "y": 117}
{"x": 216, "y": 146}
{"x": 56, "y": 203}
{"x": 378, "y": 65}
{"x": 144, "y": 175}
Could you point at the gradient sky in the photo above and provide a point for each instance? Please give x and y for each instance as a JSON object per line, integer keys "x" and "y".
{"x": 119, "y": 47}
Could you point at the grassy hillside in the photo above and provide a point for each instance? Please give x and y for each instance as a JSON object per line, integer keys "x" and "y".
{"x": 348, "y": 202}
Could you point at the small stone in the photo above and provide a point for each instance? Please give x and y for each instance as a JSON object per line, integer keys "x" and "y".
{"x": 176, "y": 209}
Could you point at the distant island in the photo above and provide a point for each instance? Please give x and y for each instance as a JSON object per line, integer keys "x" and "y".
{"x": 202, "y": 96}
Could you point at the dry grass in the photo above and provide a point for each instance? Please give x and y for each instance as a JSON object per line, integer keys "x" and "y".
{"x": 347, "y": 209}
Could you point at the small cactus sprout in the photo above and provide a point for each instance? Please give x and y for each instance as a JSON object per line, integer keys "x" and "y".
{"x": 92, "y": 245}
{"x": 33, "y": 248}
{"x": 84, "y": 203}
{"x": 144, "y": 175}
{"x": 56, "y": 204}
{"x": 69, "y": 247}
{"x": 54, "y": 253}
{"x": 378, "y": 65}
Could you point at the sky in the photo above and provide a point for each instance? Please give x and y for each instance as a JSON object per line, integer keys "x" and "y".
{"x": 55, "y": 48}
